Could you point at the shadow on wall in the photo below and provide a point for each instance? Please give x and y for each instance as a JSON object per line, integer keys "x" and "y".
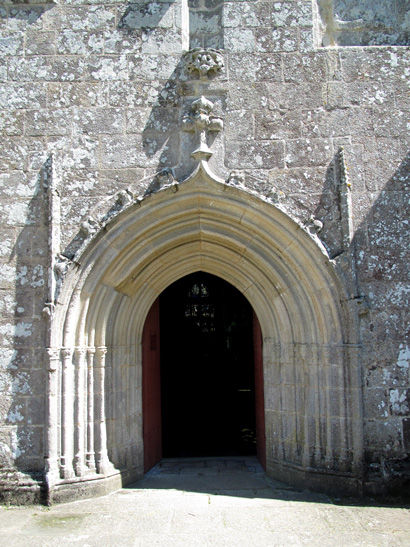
{"x": 206, "y": 24}
{"x": 163, "y": 144}
{"x": 376, "y": 272}
{"x": 382, "y": 246}
{"x": 27, "y": 375}
{"x": 146, "y": 17}
{"x": 380, "y": 251}
{"x": 28, "y": 11}
{"x": 365, "y": 23}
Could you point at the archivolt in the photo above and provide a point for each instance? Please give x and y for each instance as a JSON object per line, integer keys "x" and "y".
{"x": 290, "y": 282}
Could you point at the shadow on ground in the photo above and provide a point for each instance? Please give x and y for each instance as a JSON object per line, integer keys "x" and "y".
{"x": 239, "y": 477}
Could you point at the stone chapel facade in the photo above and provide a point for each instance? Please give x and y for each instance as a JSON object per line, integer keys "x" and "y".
{"x": 265, "y": 142}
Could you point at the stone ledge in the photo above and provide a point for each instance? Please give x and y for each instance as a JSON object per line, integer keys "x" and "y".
{"x": 18, "y": 488}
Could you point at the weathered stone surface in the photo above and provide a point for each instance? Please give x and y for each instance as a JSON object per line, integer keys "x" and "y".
{"x": 97, "y": 123}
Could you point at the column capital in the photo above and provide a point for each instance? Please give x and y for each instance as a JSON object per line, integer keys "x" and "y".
{"x": 101, "y": 351}
{"x": 67, "y": 353}
{"x": 80, "y": 351}
{"x": 53, "y": 353}
{"x": 53, "y": 358}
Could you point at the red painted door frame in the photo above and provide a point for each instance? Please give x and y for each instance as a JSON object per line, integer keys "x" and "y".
{"x": 151, "y": 390}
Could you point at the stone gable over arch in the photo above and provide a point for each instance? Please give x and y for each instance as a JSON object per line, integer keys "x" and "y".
{"x": 312, "y": 390}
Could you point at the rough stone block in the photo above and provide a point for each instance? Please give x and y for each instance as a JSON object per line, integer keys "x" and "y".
{"x": 308, "y": 152}
{"x": 305, "y": 68}
{"x": 338, "y": 122}
{"x": 280, "y": 124}
{"x": 133, "y": 151}
{"x": 11, "y": 43}
{"x": 390, "y": 123}
{"x": 204, "y": 22}
{"x": 113, "y": 180}
{"x": 40, "y": 42}
{"x": 79, "y": 18}
{"x": 12, "y": 154}
{"x": 80, "y": 43}
{"x": 45, "y": 68}
{"x": 258, "y": 155}
{"x": 295, "y": 96}
{"x": 22, "y": 17}
{"x": 153, "y": 67}
{"x": 79, "y": 152}
{"x": 121, "y": 41}
{"x": 376, "y": 403}
{"x": 26, "y": 95}
{"x": 99, "y": 121}
{"x": 107, "y": 68}
{"x": 240, "y": 40}
{"x": 11, "y": 123}
{"x": 65, "y": 95}
{"x": 160, "y": 42}
{"x": 48, "y": 122}
{"x": 244, "y": 130}
{"x": 277, "y": 39}
{"x": 258, "y": 15}
{"x": 399, "y": 400}
{"x": 386, "y": 433}
{"x": 157, "y": 119}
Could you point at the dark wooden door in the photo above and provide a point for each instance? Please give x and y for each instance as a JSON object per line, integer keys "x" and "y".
{"x": 259, "y": 392}
{"x": 192, "y": 370}
{"x": 207, "y": 372}
{"x": 151, "y": 389}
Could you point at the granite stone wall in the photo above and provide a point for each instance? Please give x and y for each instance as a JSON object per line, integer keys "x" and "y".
{"x": 93, "y": 99}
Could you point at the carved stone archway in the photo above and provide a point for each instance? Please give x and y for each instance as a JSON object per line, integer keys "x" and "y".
{"x": 312, "y": 380}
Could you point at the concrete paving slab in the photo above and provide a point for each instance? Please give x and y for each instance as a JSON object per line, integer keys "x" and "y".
{"x": 177, "y": 505}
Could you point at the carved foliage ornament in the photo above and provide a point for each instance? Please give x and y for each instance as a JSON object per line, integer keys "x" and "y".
{"x": 204, "y": 61}
{"x": 202, "y": 117}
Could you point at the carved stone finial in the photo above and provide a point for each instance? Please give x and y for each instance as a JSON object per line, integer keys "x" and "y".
{"x": 202, "y": 118}
{"x": 201, "y": 121}
{"x": 204, "y": 61}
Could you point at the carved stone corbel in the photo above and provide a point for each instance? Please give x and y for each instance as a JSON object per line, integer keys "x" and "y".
{"x": 125, "y": 197}
{"x": 89, "y": 227}
{"x": 236, "y": 178}
{"x": 313, "y": 225}
{"x": 61, "y": 266}
{"x": 48, "y": 310}
{"x": 206, "y": 62}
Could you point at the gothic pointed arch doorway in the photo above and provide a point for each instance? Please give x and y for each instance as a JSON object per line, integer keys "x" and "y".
{"x": 311, "y": 355}
{"x": 205, "y": 374}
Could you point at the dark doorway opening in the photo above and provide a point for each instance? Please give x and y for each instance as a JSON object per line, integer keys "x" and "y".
{"x": 207, "y": 369}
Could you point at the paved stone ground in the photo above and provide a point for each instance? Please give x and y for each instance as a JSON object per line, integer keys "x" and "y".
{"x": 213, "y": 502}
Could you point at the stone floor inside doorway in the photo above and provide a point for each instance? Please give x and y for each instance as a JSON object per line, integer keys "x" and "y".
{"x": 208, "y": 502}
